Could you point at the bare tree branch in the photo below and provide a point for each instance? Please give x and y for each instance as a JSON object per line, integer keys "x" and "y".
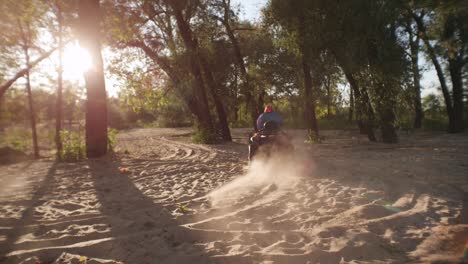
{"x": 22, "y": 72}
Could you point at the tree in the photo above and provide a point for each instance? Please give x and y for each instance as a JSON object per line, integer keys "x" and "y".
{"x": 163, "y": 30}
{"x": 414, "y": 45}
{"x": 96, "y": 104}
{"x": 27, "y": 38}
{"x": 191, "y": 44}
{"x": 59, "y": 103}
{"x": 225, "y": 17}
{"x": 446, "y": 39}
{"x": 297, "y": 19}
{"x": 22, "y": 20}
{"x": 351, "y": 105}
{"x": 21, "y": 73}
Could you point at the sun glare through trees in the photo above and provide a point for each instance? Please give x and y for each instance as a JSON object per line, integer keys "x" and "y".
{"x": 233, "y": 131}
{"x": 76, "y": 61}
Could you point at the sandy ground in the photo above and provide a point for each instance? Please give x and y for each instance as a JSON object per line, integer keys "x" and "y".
{"x": 162, "y": 199}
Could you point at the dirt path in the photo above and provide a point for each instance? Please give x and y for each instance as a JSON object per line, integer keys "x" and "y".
{"x": 344, "y": 200}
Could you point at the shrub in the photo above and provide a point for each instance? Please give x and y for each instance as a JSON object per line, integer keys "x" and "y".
{"x": 73, "y": 146}
{"x": 19, "y": 144}
{"x": 111, "y": 139}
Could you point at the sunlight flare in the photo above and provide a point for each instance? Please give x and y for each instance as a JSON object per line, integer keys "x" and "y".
{"x": 76, "y": 61}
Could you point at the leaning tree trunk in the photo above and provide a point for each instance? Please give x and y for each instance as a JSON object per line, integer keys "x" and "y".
{"x": 222, "y": 117}
{"x": 4, "y": 87}
{"x": 440, "y": 72}
{"x": 205, "y": 122}
{"x": 96, "y": 103}
{"x": 248, "y": 88}
{"x": 364, "y": 110}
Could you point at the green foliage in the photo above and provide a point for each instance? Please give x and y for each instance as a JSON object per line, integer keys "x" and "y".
{"x": 19, "y": 144}
{"x": 157, "y": 83}
{"x": 111, "y": 139}
{"x": 13, "y": 108}
{"x": 17, "y": 137}
{"x": 433, "y": 107}
{"x": 74, "y": 148}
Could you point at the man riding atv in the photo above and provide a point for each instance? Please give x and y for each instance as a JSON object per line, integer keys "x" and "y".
{"x": 269, "y": 138}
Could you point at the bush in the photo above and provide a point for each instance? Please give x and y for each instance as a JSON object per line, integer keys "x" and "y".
{"x": 73, "y": 146}
{"x": 111, "y": 139}
{"x": 19, "y": 144}
{"x": 205, "y": 137}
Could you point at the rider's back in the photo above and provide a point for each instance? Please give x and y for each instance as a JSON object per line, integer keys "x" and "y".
{"x": 269, "y": 117}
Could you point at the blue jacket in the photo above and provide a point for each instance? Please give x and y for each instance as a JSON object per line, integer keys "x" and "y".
{"x": 265, "y": 117}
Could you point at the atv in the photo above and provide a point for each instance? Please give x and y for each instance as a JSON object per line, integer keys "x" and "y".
{"x": 269, "y": 141}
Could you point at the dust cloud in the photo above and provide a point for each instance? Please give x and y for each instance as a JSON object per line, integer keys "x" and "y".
{"x": 276, "y": 173}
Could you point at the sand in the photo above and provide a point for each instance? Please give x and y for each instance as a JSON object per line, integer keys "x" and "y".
{"x": 161, "y": 199}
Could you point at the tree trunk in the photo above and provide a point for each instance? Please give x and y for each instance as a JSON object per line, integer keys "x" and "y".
{"x": 309, "y": 112}
{"x": 386, "y": 109}
{"x": 440, "y": 73}
{"x": 456, "y": 70}
{"x": 192, "y": 102}
{"x": 385, "y": 89}
{"x": 414, "y": 47}
{"x": 58, "y": 107}
{"x": 26, "y": 39}
{"x": 32, "y": 113}
{"x": 200, "y": 99}
{"x": 363, "y": 107}
{"x": 96, "y": 103}
{"x": 261, "y": 101}
{"x": 328, "y": 99}
{"x": 369, "y": 110}
{"x": 351, "y": 105}
{"x": 222, "y": 117}
{"x": 248, "y": 89}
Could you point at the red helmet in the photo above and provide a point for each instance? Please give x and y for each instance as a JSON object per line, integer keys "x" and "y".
{"x": 268, "y": 108}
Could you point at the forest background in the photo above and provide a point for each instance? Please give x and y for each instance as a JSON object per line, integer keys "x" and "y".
{"x": 322, "y": 64}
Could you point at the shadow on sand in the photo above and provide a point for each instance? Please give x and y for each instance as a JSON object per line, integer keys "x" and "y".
{"x": 141, "y": 230}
